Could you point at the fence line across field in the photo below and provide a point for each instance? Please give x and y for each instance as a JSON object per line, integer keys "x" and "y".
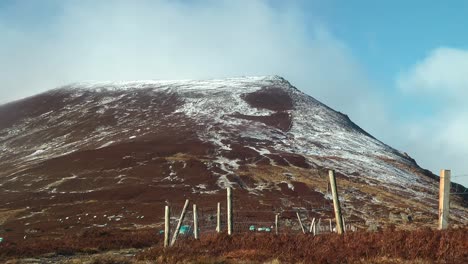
{"x": 207, "y": 223}
{"x": 198, "y": 221}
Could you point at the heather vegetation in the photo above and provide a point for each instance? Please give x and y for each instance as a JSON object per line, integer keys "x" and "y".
{"x": 420, "y": 245}
{"x": 90, "y": 242}
{"x": 388, "y": 246}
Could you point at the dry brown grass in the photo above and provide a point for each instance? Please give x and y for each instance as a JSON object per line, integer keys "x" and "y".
{"x": 6, "y": 214}
{"x": 89, "y": 242}
{"x": 387, "y": 247}
{"x": 275, "y": 174}
{"x": 390, "y": 246}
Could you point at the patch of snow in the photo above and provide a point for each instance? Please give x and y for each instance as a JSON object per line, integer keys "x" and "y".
{"x": 106, "y": 144}
{"x": 37, "y": 152}
{"x": 201, "y": 186}
{"x": 58, "y": 182}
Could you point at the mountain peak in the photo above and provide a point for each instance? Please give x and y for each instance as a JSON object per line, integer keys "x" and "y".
{"x": 232, "y": 82}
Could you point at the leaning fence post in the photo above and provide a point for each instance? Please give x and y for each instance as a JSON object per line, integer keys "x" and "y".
{"x": 218, "y": 218}
{"x": 229, "y": 210}
{"x": 312, "y": 224}
{"x": 167, "y": 229}
{"x": 195, "y": 222}
{"x": 179, "y": 224}
{"x": 300, "y": 222}
{"x": 336, "y": 202}
{"x": 444, "y": 199}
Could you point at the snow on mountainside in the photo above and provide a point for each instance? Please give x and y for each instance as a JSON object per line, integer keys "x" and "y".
{"x": 134, "y": 141}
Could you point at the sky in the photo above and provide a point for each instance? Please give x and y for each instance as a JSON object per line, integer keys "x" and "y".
{"x": 399, "y": 69}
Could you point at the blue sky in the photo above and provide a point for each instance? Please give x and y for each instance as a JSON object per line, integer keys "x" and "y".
{"x": 397, "y": 68}
{"x": 388, "y": 37}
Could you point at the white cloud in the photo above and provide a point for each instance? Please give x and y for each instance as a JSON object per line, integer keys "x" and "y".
{"x": 89, "y": 40}
{"x": 441, "y": 140}
{"x": 442, "y": 72}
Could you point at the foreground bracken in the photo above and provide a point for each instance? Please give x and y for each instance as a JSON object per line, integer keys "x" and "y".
{"x": 419, "y": 246}
{"x": 388, "y": 246}
{"x": 91, "y": 241}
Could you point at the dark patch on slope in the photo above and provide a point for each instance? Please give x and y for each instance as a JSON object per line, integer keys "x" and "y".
{"x": 296, "y": 160}
{"x": 64, "y": 120}
{"x": 60, "y": 100}
{"x": 279, "y": 120}
{"x": 271, "y": 98}
{"x": 34, "y": 106}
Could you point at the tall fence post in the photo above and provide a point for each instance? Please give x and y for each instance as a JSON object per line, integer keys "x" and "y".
{"x": 336, "y": 202}
{"x": 179, "y": 224}
{"x": 218, "y": 218}
{"x": 444, "y": 199}
{"x": 276, "y": 223}
{"x": 167, "y": 228}
{"x": 195, "y": 221}
{"x": 229, "y": 210}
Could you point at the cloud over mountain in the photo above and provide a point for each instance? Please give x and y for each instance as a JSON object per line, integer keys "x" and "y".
{"x": 441, "y": 76}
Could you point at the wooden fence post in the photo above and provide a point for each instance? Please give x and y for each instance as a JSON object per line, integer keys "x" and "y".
{"x": 195, "y": 221}
{"x": 229, "y": 210}
{"x": 444, "y": 199}
{"x": 179, "y": 224}
{"x": 167, "y": 228}
{"x": 344, "y": 224}
{"x": 336, "y": 202}
{"x": 300, "y": 222}
{"x": 319, "y": 224}
{"x": 331, "y": 226}
{"x": 276, "y": 224}
{"x": 218, "y": 218}
{"x": 312, "y": 225}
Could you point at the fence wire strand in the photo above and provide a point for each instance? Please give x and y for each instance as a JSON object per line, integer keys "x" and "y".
{"x": 257, "y": 221}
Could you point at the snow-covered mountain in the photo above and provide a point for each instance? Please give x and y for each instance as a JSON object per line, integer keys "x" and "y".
{"x": 109, "y": 148}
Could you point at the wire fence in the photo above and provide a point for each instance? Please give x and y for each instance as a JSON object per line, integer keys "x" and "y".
{"x": 274, "y": 216}
{"x": 276, "y": 221}
{"x": 459, "y": 176}
{"x": 457, "y": 188}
